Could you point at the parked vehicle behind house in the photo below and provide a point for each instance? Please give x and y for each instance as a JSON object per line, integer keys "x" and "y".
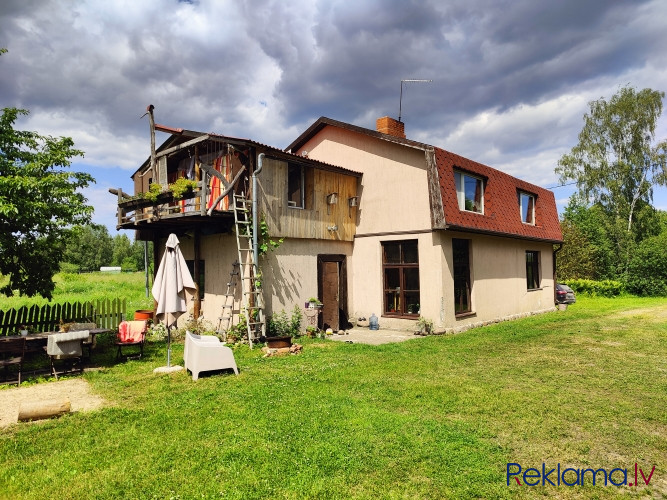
{"x": 564, "y": 294}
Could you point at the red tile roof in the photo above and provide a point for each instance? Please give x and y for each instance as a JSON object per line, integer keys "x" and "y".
{"x": 501, "y": 204}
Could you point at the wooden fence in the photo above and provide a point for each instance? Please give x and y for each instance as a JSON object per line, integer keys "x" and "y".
{"x": 106, "y": 313}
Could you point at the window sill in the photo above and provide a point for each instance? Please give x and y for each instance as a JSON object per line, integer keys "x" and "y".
{"x": 534, "y": 289}
{"x": 400, "y": 316}
{"x": 470, "y": 211}
{"x": 465, "y": 315}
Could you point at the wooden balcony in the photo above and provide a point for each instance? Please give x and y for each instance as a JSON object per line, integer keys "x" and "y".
{"x": 168, "y": 213}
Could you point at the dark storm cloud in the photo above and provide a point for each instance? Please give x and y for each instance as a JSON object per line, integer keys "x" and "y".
{"x": 479, "y": 54}
{"x": 266, "y": 69}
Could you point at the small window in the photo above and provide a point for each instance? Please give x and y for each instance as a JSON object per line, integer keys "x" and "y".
{"x": 400, "y": 263}
{"x": 202, "y": 275}
{"x": 527, "y": 208}
{"x": 470, "y": 192}
{"x": 532, "y": 269}
{"x": 295, "y": 186}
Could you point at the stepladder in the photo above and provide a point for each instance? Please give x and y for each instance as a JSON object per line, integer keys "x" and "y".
{"x": 226, "y": 318}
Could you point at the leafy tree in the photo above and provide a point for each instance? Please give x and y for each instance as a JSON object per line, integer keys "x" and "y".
{"x": 594, "y": 223}
{"x": 576, "y": 259}
{"x": 40, "y": 200}
{"x": 122, "y": 249}
{"x": 647, "y": 272}
{"x": 130, "y": 256}
{"x": 614, "y": 163}
{"x": 138, "y": 253}
{"x": 89, "y": 247}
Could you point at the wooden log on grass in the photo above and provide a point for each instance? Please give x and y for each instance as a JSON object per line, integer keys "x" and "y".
{"x": 48, "y": 408}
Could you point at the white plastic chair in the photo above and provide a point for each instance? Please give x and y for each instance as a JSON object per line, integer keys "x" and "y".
{"x": 205, "y": 352}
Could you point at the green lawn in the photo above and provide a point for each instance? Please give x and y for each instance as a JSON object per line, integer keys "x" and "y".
{"x": 90, "y": 286}
{"x": 436, "y": 417}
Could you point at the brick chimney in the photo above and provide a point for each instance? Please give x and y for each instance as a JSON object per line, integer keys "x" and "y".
{"x": 388, "y": 125}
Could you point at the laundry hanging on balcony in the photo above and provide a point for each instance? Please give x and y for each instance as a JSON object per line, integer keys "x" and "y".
{"x": 222, "y": 164}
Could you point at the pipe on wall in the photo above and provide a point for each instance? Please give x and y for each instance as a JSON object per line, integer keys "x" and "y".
{"x": 255, "y": 225}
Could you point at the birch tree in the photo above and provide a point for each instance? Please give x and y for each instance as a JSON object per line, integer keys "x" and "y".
{"x": 617, "y": 161}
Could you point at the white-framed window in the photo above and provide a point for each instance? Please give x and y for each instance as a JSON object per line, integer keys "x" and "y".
{"x": 295, "y": 186}
{"x": 527, "y": 208}
{"x": 469, "y": 192}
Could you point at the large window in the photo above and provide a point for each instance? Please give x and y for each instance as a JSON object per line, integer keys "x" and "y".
{"x": 462, "y": 284}
{"x": 295, "y": 186}
{"x": 470, "y": 192}
{"x": 400, "y": 270}
{"x": 527, "y": 208}
{"x": 532, "y": 269}
{"x": 202, "y": 275}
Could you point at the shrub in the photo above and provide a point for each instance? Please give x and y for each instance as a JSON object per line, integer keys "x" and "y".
{"x": 68, "y": 268}
{"x": 647, "y": 270}
{"x": 129, "y": 265}
{"x": 197, "y": 326}
{"x": 425, "y": 326}
{"x": 605, "y": 288}
{"x": 281, "y": 325}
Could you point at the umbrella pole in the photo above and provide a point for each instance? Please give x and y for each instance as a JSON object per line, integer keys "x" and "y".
{"x": 168, "y": 346}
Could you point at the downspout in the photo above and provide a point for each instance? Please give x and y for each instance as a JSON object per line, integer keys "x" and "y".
{"x": 255, "y": 239}
{"x": 560, "y": 247}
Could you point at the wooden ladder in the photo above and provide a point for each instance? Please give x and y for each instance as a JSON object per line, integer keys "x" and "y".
{"x": 253, "y": 302}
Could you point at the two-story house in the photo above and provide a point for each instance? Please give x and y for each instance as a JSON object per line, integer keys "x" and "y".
{"x": 370, "y": 222}
{"x": 438, "y": 235}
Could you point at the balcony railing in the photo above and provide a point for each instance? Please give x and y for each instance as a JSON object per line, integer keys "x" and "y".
{"x": 200, "y": 201}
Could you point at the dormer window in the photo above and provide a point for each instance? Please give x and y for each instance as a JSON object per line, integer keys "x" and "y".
{"x": 470, "y": 192}
{"x": 527, "y": 208}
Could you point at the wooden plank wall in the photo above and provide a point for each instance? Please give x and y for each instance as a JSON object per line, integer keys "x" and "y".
{"x": 313, "y": 221}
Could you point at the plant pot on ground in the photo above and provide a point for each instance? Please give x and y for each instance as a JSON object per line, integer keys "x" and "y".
{"x": 281, "y": 328}
{"x": 279, "y": 342}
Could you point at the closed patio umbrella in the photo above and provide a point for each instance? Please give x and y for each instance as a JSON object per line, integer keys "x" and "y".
{"x": 169, "y": 290}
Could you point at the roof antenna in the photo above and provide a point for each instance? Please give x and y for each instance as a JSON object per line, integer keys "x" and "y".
{"x": 400, "y": 102}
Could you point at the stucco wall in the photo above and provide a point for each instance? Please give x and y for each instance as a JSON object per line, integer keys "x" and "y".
{"x": 393, "y": 194}
{"x": 367, "y": 286}
{"x": 498, "y": 274}
{"x": 289, "y": 274}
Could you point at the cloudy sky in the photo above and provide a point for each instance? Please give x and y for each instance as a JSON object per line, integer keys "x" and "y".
{"x": 511, "y": 79}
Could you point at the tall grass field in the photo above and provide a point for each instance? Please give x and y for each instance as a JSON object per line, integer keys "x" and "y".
{"x": 433, "y": 417}
{"x": 90, "y": 286}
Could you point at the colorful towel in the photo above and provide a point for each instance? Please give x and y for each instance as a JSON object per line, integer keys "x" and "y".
{"x": 132, "y": 331}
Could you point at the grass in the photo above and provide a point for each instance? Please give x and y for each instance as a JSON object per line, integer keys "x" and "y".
{"x": 89, "y": 286}
{"x": 435, "y": 417}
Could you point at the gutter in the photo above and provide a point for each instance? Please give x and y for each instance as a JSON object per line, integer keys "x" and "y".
{"x": 560, "y": 247}
{"x": 255, "y": 239}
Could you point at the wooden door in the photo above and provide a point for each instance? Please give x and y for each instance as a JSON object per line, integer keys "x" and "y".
{"x": 330, "y": 294}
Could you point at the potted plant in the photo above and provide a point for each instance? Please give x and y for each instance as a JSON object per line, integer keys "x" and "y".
{"x": 311, "y": 331}
{"x": 424, "y": 326}
{"x": 282, "y": 328}
{"x": 313, "y": 303}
